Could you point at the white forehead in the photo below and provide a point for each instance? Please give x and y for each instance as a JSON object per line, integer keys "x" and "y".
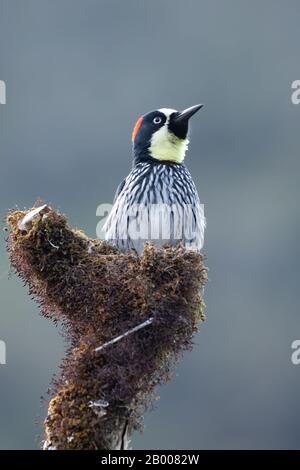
{"x": 167, "y": 111}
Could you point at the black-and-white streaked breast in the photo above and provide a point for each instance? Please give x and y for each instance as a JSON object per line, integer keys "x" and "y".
{"x": 157, "y": 203}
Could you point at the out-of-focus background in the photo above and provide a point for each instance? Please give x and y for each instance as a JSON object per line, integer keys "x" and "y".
{"x": 78, "y": 73}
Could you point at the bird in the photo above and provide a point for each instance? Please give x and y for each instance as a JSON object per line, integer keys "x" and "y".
{"x": 158, "y": 201}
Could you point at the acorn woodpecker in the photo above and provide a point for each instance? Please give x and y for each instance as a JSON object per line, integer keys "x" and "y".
{"x": 158, "y": 201}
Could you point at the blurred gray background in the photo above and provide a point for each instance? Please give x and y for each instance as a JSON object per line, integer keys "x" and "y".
{"x": 78, "y": 73}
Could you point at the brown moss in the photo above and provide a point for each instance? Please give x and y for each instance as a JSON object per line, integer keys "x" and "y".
{"x": 98, "y": 294}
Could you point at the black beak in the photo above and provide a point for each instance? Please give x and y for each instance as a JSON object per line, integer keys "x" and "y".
{"x": 184, "y": 116}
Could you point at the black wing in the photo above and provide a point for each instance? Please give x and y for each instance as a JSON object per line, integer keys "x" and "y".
{"x": 119, "y": 190}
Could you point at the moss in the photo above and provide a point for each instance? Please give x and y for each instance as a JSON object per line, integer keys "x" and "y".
{"x": 98, "y": 294}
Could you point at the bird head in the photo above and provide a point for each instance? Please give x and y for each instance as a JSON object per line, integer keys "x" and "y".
{"x": 162, "y": 135}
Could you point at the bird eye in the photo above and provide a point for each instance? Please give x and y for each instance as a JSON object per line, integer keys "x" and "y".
{"x": 157, "y": 120}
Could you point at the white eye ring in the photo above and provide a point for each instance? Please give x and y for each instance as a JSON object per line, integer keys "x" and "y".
{"x": 157, "y": 120}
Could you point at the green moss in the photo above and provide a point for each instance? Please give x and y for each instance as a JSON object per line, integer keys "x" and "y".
{"x": 98, "y": 294}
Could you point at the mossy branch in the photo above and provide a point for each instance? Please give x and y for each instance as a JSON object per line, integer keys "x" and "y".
{"x": 128, "y": 319}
